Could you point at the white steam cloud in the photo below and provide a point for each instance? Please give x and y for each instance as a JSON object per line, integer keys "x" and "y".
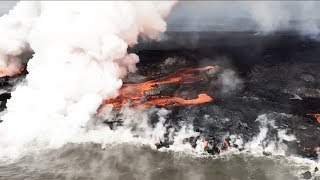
{"x": 80, "y": 56}
{"x": 14, "y": 30}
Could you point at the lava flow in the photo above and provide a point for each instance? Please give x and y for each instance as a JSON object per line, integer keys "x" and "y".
{"x": 136, "y": 96}
{"x": 317, "y": 116}
{"x": 10, "y": 71}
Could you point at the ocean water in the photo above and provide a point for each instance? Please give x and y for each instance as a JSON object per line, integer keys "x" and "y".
{"x": 132, "y": 161}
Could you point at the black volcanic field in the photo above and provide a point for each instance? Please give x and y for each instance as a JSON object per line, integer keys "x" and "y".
{"x": 279, "y": 73}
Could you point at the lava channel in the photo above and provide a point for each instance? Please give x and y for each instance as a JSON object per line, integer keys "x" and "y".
{"x": 137, "y": 98}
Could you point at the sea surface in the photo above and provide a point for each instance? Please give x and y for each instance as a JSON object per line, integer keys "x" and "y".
{"x": 131, "y": 161}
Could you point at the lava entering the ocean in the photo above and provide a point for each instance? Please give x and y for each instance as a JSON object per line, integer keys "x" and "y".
{"x": 135, "y": 93}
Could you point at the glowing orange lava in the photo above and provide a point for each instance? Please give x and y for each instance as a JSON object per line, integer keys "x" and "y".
{"x": 317, "y": 116}
{"x": 226, "y": 142}
{"x": 136, "y": 92}
{"x": 10, "y": 72}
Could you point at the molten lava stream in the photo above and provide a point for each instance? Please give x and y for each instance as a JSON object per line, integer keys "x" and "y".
{"x": 317, "y": 116}
{"x": 135, "y": 93}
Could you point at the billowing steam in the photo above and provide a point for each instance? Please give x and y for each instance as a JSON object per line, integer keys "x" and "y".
{"x": 14, "y": 30}
{"x": 80, "y": 56}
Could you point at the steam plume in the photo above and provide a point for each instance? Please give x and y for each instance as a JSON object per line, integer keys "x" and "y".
{"x": 80, "y": 56}
{"x": 14, "y": 30}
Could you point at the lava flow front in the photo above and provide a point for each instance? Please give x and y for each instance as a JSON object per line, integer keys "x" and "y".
{"x": 135, "y": 94}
